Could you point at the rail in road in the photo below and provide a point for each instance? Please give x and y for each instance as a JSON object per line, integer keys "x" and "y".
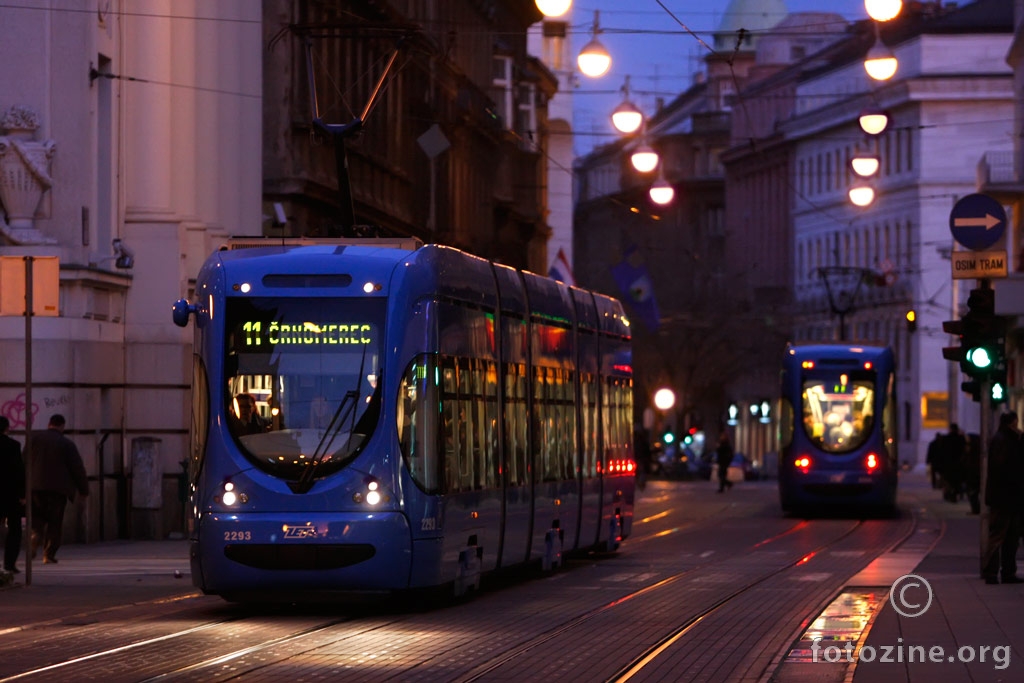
{"x": 710, "y": 586}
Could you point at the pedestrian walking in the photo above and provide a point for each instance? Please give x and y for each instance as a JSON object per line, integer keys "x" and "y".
{"x": 723, "y": 456}
{"x": 1004, "y": 483}
{"x": 953, "y": 457}
{"x": 972, "y": 472}
{"x": 642, "y": 455}
{"x": 12, "y": 494}
{"x": 932, "y": 459}
{"x": 57, "y": 475}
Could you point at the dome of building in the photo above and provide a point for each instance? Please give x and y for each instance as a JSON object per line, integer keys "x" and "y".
{"x": 798, "y": 35}
{"x": 752, "y": 15}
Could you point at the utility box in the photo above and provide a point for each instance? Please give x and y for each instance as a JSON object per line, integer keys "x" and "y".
{"x": 45, "y": 285}
{"x": 147, "y": 488}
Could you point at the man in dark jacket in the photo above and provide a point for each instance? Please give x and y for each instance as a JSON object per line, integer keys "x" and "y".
{"x": 57, "y": 474}
{"x": 1002, "y": 487}
{"x": 12, "y": 493}
{"x": 723, "y": 454}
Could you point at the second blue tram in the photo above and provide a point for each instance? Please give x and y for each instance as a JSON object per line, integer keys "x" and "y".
{"x": 373, "y": 418}
{"x": 837, "y": 428}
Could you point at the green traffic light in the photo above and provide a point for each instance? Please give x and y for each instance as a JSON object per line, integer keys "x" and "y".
{"x": 998, "y": 394}
{"x": 669, "y": 437}
{"x": 979, "y": 357}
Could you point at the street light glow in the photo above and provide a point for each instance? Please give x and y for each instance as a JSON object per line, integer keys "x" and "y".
{"x": 661, "y": 192}
{"x": 555, "y": 8}
{"x": 862, "y": 195}
{"x": 882, "y": 10}
{"x": 644, "y": 158}
{"x": 664, "y": 398}
{"x": 627, "y": 118}
{"x": 865, "y": 165}
{"x": 873, "y": 121}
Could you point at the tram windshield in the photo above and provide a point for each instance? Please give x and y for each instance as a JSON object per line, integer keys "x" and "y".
{"x": 301, "y": 380}
{"x": 838, "y": 411}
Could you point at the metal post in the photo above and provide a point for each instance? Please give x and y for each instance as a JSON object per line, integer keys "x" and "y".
{"x": 28, "y": 421}
{"x": 986, "y": 393}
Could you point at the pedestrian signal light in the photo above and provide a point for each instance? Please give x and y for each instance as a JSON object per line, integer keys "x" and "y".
{"x": 998, "y": 392}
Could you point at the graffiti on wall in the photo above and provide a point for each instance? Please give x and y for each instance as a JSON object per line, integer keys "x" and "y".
{"x": 16, "y": 408}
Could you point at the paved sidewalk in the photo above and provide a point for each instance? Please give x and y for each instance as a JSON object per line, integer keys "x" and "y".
{"x": 966, "y": 619}
{"x": 96, "y": 576}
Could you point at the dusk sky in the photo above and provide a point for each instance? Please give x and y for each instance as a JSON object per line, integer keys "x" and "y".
{"x": 658, "y": 54}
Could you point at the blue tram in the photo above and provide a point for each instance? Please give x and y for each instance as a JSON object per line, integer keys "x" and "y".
{"x": 379, "y": 416}
{"x": 837, "y": 428}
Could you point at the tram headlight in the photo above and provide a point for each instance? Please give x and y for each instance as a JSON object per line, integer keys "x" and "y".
{"x": 373, "y": 495}
{"x": 232, "y": 496}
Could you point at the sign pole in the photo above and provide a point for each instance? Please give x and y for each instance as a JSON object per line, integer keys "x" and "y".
{"x": 28, "y": 421}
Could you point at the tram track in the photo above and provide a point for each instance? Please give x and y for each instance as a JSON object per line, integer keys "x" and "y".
{"x": 381, "y": 647}
{"x": 297, "y": 643}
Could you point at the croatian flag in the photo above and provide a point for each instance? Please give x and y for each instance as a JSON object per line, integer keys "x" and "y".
{"x": 560, "y": 269}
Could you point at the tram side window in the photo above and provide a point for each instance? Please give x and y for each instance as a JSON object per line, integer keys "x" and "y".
{"x": 556, "y": 423}
{"x": 617, "y": 417}
{"x": 515, "y": 423}
{"x": 469, "y": 408}
{"x": 417, "y": 423}
{"x": 588, "y": 417}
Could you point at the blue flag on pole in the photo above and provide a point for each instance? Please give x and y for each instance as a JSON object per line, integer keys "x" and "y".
{"x": 634, "y": 281}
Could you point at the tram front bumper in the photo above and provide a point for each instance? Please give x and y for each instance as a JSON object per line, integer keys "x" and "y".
{"x": 234, "y": 552}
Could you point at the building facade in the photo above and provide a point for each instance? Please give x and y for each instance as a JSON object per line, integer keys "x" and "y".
{"x": 137, "y": 122}
{"x": 170, "y": 126}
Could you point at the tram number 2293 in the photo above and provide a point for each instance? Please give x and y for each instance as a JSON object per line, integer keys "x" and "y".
{"x": 237, "y": 535}
{"x": 428, "y": 524}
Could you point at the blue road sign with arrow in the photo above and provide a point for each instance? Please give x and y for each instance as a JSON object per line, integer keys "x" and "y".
{"x": 977, "y": 221}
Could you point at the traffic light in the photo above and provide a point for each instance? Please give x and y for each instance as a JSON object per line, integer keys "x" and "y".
{"x": 973, "y": 387}
{"x": 911, "y": 321}
{"x": 668, "y": 437}
{"x": 981, "y": 333}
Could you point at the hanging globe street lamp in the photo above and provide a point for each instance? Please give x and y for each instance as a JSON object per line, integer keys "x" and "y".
{"x": 594, "y": 60}
{"x": 627, "y": 118}
{"x": 661, "y": 191}
{"x": 865, "y": 165}
{"x": 873, "y": 121}
{"x": 862, "y": 195}
{"x": 880, "y": 63}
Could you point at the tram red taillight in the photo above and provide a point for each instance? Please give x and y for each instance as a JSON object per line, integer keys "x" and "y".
{"x": 872, "y": 462}
{"x": 621, "y": 466}
{"x": 804, "y": 463}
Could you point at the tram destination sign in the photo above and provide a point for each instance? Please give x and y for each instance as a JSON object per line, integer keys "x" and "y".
{"x": 978, "y": 264}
